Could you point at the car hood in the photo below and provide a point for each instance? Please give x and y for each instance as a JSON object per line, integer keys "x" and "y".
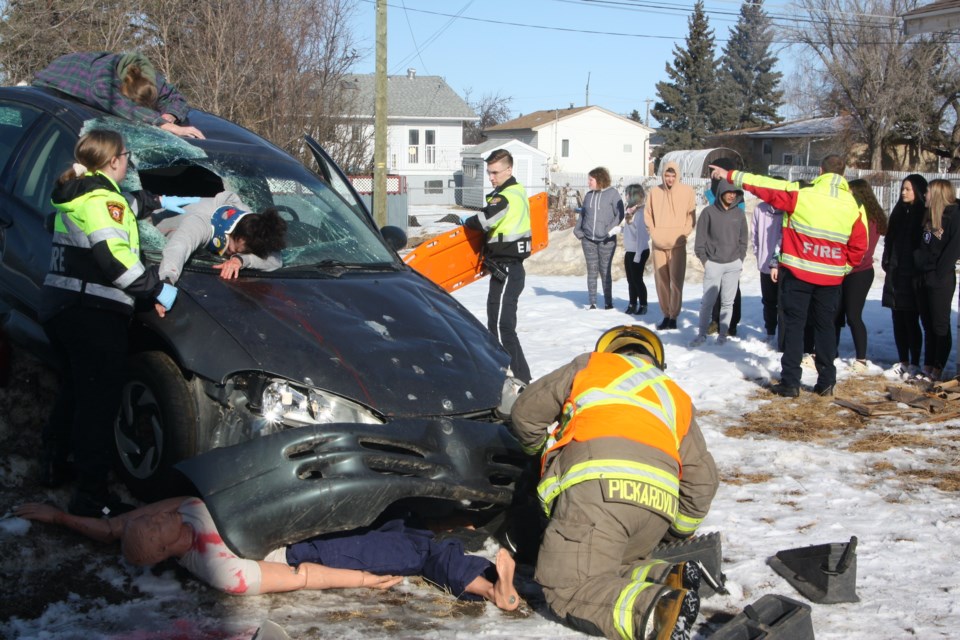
{"x": 391, "y": 341}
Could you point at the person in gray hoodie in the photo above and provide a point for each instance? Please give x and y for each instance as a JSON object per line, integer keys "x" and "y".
{"x": 721, "y": 245}
{"x": 597, "y": 230}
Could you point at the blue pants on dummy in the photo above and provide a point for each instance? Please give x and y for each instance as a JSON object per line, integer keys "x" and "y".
{"x": 395, "y": 549}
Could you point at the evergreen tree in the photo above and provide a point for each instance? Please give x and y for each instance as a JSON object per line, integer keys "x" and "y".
{"x": 747, "y": 81}
{"x": 687, "y": 106}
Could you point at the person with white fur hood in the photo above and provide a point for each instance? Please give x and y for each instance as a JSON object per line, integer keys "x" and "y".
{"x": 597, "y": 231}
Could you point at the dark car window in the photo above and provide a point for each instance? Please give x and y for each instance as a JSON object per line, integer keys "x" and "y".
{"x": 15, "y": 121}
{"x": 49, "y": 156}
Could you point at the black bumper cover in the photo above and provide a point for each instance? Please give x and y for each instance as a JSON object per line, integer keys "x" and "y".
{"x": 306, "y": 481}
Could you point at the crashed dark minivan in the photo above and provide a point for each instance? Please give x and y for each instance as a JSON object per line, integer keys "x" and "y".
{"x": 309, "y": 399}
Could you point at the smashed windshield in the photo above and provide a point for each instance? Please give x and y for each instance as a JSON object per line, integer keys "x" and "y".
{"x": 322, "y": 229}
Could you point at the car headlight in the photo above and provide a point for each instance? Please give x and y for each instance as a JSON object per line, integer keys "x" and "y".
{"x": 288, "y": 404}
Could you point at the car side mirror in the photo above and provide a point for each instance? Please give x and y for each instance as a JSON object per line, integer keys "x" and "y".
{"x": 395, "y": 237}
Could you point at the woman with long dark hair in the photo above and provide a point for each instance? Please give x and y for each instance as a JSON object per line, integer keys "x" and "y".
{"x": 936, "y": 259}
{"x": 899, "y": 293}
{"x": 856, "y": 284}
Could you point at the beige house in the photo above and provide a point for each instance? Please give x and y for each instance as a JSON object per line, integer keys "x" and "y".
{"x": 938, "y": 16}
{"x": 579, "y": 139}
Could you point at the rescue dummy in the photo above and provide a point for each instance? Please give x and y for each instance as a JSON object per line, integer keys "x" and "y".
{"x": 183, "y": 529}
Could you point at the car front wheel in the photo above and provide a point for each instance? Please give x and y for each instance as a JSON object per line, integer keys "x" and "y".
{"x": 156, "y": 426}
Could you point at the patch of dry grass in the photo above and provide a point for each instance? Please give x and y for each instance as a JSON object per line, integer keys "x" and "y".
{"x": 811, "y": 418}
{"x": 740, "y": 478}
{"x": 875, "y": 442}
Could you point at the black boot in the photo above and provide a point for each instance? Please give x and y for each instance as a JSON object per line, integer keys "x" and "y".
{"x": 631, "y": 309}
{"x": 664, "y": 324}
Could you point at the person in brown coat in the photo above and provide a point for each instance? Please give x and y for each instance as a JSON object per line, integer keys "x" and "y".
{"x": 670, "y": 217}
{"x": 612, "y": 488}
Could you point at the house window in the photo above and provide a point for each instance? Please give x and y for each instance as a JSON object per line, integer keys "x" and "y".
{"x": 430, "y": 146}
{"x": 413, "y": 148}
{"x": 767, "y": 147}
{"x": 473, "y": 171}
{"x": 433, "y": 187}
{"x": 628, "y": 148}
{"x": 565, "y": 148}
{"x": 788, "y": 158}
{"x": 356, "y": 132}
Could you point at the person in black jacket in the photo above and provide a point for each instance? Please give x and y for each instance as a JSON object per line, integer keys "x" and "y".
{"x": 936, "y": 259}
{"x": 899, "y": 293}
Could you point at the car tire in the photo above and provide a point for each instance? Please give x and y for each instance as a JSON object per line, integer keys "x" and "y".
{"x": 156, "y": 426}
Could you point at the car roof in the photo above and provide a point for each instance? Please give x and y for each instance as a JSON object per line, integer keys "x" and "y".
{"x": 214, "y": 128}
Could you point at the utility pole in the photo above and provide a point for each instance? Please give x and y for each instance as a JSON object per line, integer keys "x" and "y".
{"x": 647, "y": 117}
{"x": 587, "y": 101}
{"x": 380, "y": 120}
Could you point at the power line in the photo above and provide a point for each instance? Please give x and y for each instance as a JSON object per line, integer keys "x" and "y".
{"x": 790, "y": 19}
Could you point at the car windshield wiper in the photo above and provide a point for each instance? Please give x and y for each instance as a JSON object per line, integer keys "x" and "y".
{"x": 339, "y": 266}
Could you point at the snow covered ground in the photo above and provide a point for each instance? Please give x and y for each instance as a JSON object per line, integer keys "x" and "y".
{"x": 775, "y": 494}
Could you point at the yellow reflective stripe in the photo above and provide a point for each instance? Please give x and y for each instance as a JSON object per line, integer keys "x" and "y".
{"x": 640, "y": 573}
{"x": 552, "y": 486}
{"x": 626, "y": 390}
{"x": 623, "y": 608}
{"x": 534, "y": 449}
{"x": 813, "y": 267}
{"x": 686, "y": 524}
{"x": 819, "y": 232}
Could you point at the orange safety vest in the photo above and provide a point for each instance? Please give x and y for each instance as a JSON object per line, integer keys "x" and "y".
{"x": 624, "y": 397}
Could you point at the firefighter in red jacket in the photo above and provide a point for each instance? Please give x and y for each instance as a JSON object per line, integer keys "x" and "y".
{"x": 824, "y": 236}
{"x": 626, "y": 468}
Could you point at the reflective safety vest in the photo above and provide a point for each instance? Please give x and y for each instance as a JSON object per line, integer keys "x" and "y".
{"x": 98, "y": 217}
{"x": 508, "y": 233}
{"x": 817, "y": 228}
{"x": 622, "y": 397}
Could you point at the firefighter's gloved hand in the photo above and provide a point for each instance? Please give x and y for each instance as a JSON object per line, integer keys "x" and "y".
{"x": 465, "y": 217}
{"x": 672, "y": 536}
{"x": 167, "y": 296}
{"x": 176, "y": 203}
{"x": 512, "y": 388}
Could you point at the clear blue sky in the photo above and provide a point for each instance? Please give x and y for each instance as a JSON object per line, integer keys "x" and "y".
{"x": 541, "y": 52}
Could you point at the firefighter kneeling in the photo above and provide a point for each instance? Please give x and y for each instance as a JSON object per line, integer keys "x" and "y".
{"x": 626, "y": 468}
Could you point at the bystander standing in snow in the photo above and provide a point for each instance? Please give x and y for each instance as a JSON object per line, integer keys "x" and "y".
{"x": 597, "y": 231}
{"x": 856, "y": 284}
{"x": 721, "y": 245}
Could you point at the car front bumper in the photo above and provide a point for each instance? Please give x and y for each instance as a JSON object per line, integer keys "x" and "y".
{"x": 306, "y": 481}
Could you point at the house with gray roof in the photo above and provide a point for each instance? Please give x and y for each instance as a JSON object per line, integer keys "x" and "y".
{"x": 578, "y": 139}
{"x": 425, "y": 119}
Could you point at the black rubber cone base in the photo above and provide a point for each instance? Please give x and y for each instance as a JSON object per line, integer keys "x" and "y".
{"x": 824, "y": 573}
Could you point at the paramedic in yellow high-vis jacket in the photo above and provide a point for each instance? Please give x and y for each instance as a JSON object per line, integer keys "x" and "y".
{"x": 94, "y": 277}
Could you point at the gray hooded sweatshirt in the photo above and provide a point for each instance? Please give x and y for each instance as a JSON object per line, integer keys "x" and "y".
{"x": 722, "y": 235}
{"x": 602, "y": 211}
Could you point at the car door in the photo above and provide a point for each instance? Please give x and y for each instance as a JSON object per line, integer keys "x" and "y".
{"x": 40, "y": 149}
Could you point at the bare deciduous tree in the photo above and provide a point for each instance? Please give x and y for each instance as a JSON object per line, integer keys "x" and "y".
{"x": 276, "y": 67}
{"x": 491, "y": 109}
{"x": 870, "y": 66}
{"x": 34, "y": 32}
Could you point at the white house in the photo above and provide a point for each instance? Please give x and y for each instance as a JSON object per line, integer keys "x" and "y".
{"x": 529, "y": 168}
{"x": 579, "y": 139}
{"x": 425, "y": 120}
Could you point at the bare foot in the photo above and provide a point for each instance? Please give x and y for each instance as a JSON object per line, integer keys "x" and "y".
{"x": 504, "y": 595}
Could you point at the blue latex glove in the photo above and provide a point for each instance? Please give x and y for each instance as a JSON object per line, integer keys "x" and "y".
{"x": 175, "y": 203}
{"x": 465, "y": 217}
{"x": 168, "y": 295}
